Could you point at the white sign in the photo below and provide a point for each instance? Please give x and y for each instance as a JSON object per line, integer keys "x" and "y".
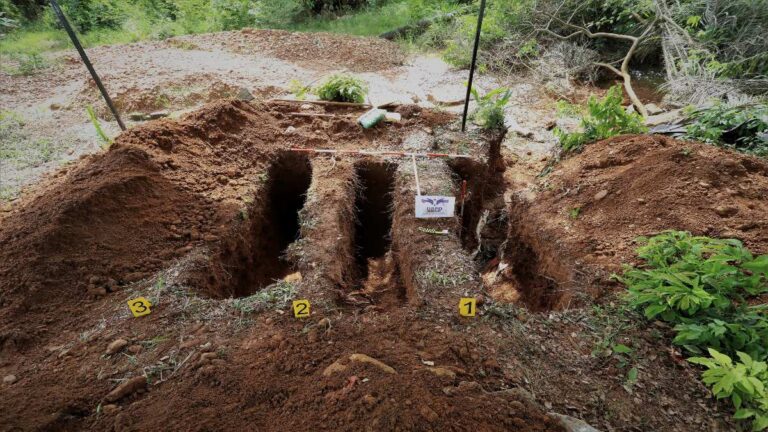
{"x": 434, "y": 206}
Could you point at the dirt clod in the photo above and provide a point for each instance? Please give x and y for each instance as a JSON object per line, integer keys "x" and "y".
{"x": 116, "y": 346}
{"x": 127, "y": 388}
{"x": 362, "y": 358}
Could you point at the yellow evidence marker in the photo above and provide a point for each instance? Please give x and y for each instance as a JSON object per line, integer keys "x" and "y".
{"x": 301, "y": 308}
{"x": 467, "y": 306}
{"x": 139, "y": 306}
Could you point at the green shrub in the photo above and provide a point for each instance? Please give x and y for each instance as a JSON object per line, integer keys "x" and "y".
{"x": 688, "y": 277}
{"x": 233, "y": 14}
{"x": 342, "y": 88}
{"x": 87, "y": 15}
{"x": 603, "y": 119}
{"x": 702, "y": 285}
{"x": 737, "y": 127}
{"x": 490, "y": 108}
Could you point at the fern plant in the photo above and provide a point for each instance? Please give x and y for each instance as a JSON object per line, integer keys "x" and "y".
{"x": 687, "y": 276}
{"x": 342, "y": 88}
{"x": 604, "y": 118}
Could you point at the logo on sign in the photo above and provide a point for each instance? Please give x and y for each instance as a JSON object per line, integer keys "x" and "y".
{"x": 434, "y": 206}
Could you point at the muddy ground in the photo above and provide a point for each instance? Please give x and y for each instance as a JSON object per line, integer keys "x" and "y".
{"x": 220, "y": 225}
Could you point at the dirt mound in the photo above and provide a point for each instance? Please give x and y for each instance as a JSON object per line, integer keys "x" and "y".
{"x": 112, "y": 221}
{"x": 599, "y": 201}
{"x": 342, "y": 51}
{"x": 349, "y": 378}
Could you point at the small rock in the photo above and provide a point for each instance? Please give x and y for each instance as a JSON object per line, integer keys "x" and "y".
{"x": 156, "y": 115}
{"x": 726, "y": 211}
{"x": 641, "y": 200}
{"x": 334, "y": 367}
{"x": 189, "y": 343}
{"x": 442, "y": 372}
{"x": 293, "y": 277}
{"x": 428, "y": 413}
{"x": 208, "y": 356}
{"x": 704, "y": 184}
{"x": 369, "y": 400}
{"x": 127, "y": 388}
{"x": 116, "y": 346}
{"x": 244, "y": 95}
{"x": 55, "y": 107}
{"x": 110, "y": 408}
{"x": 97, "y": 291}
{"x": 653, "y": 109}
{"x": 571, "y": 424}
{"x": 9, "y": 379}
{"x": 600, "y": 195}
{"x": 290, "y": 130}
{"x": 324, "y": 323}
{"x": 135, "y": 349}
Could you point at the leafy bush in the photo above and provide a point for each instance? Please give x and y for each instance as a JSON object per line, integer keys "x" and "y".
{"x": 490, "y": 108}
{"x": 6, "y": 22}
{"x": 342, "y": 88}
{"x": 233, "y": 14}
{"x": 88, "y": 15}
{"x": 603, "y": 119}
{"x": 690, "y": 277}
{"x": 737, "y": 127}
{"x": 702, "y": 284}
{"x": 743, "y": 382}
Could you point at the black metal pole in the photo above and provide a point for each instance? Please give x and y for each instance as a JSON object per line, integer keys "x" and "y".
{"x": 472, "y": 65}
{"x": 81, "y": 51}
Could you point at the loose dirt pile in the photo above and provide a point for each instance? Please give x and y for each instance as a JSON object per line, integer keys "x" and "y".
{"x": 220, "y": 226}
{"x": 357, "y": 54}
{"x": 579, "y": 225}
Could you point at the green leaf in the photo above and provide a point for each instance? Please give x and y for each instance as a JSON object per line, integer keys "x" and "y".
{"x": 743, "y": 413}
{"x": 632, "y": 375}
{"x": 621, "y": 349}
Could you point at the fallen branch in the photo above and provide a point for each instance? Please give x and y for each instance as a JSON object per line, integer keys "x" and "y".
{"x": 623, "y": 70}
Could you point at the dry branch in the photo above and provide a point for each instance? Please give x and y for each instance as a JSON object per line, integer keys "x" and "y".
{"x": 623, "y": 70}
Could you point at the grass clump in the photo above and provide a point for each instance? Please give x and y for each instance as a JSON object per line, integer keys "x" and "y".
{"x": 276, "y": 296}
{"x": 26, "y": 64}
{"x": 602, "y": 119}
{"x": 490, "y": 108}
{"x": 702, "y": 286}
{"x": 342, "y": 88}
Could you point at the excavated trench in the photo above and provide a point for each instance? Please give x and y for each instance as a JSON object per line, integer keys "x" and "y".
{"x": 501, "y": 244}
{"x": 373, "y": 224}
{"x": 254, "y": 256}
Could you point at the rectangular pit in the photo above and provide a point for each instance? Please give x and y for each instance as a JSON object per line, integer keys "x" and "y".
{"x": 253, "y": 256}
